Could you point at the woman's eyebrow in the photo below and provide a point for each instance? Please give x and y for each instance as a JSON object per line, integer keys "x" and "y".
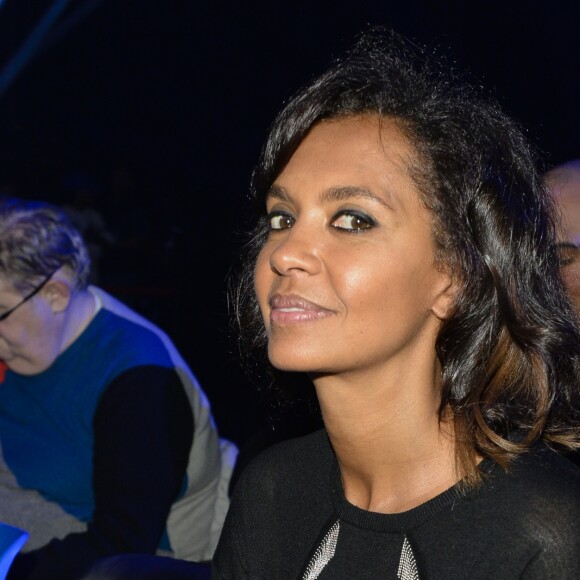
{"x": 277, "y": 192}
{"x": 348, "y": 192}
{"x": 339, "y": 193}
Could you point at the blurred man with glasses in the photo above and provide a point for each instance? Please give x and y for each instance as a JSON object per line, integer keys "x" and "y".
{"x": 564, "y": 182}
{"x": 107, "y": 444}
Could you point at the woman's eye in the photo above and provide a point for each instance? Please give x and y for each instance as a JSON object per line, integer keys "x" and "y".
{"x": 351, "y": 221}
{"x": 280, "y": 221}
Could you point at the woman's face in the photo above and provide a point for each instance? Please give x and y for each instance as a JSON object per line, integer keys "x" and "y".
{"x": 346, "y": 280}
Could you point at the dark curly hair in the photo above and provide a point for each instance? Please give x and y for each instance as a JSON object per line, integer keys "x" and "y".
{"x": 510, "y": 349}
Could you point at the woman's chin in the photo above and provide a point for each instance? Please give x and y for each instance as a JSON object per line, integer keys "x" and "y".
{"x": 293, "y": 362}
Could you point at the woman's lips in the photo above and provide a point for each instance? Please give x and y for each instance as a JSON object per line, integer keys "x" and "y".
{"x": 292, "y": 309}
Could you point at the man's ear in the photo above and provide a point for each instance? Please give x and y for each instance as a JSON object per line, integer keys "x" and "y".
{"x": 58, "y": 294}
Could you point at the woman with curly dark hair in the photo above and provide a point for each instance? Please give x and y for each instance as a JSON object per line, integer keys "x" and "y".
{"x": 404, "y": 261}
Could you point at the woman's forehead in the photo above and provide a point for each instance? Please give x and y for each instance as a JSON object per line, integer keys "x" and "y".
{"x": 362, "y": 154}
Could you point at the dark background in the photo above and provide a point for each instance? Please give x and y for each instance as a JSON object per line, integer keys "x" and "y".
{"x": 173, "y": 98}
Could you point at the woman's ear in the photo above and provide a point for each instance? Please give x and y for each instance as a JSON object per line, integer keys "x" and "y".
{"x": 445, "y": 299}
{"x": 58, "y": 294}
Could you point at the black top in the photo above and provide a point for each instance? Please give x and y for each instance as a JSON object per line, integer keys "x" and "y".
{"x": 289, "y": 519}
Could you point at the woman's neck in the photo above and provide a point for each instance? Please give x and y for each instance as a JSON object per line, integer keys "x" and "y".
{"x": 393, "y": 451}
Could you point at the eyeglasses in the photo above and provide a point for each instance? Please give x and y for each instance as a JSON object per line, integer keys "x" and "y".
{"x": 6, "y": 314}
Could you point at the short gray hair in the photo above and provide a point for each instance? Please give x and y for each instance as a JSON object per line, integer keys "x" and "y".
{"x": 36, "y": 239}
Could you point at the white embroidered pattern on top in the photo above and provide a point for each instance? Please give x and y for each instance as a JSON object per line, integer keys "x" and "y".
{"x": 323, "y": 554}
{"x": 407, "y": 565}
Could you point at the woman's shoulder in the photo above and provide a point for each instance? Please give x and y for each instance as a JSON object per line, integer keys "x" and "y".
{"x": 538, "y": 501}
{"x": 542, "y": 472}
{"x": 545, "y": 492}
{"x": 290, "y": 465}
{"x": 280, "y": 502}
{"x": 539, "y": 481}
{"x": 288, "y": 482}
{"x": 291, "y": 455}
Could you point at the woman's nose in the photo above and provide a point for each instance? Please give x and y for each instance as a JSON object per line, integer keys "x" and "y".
{"x": 298, "y": 252}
